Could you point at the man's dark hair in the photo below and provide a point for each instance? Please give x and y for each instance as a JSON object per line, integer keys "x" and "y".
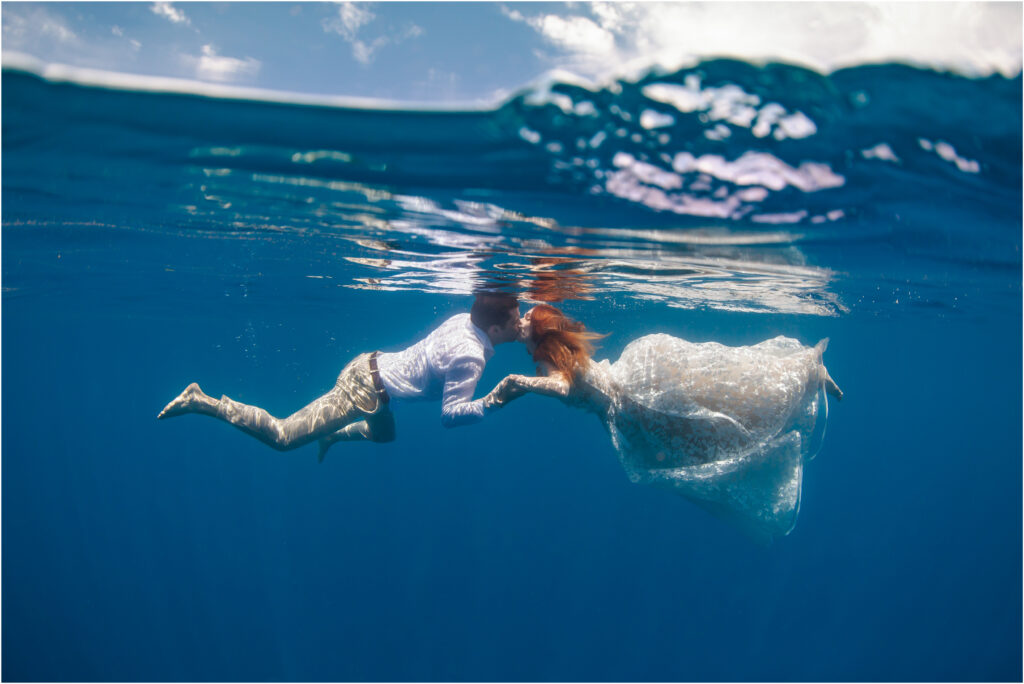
{"x": 493, "y": 309}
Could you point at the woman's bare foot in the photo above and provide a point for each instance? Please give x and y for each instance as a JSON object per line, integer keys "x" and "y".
{"x": 831, "y": 388}
{"x": 192, "y": 400}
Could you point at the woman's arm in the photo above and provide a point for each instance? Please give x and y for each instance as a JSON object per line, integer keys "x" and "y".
{"x": 553, "y": 385}
{"x": 515, "y": 386}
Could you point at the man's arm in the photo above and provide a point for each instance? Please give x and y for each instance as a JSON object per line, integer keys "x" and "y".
{"x": 457, "y": 405}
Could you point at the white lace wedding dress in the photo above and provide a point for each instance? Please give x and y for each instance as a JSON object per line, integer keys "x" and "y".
{"x": 727, "y": 427}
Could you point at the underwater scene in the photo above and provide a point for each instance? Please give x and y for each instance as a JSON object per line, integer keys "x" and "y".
{"x": 154, "y": 236}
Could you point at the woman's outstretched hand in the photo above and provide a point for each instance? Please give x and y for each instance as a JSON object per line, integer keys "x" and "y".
{"x": 511, "y": 387}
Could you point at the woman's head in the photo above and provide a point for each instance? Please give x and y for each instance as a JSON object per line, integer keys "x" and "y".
{"x": 553, "y": 338}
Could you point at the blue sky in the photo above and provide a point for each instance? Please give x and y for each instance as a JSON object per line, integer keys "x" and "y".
{"x": 478, "y": 52}
{"x": 400, "y": 51}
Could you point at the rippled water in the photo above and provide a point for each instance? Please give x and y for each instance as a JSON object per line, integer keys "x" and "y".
{"x": 724, "y": 186}
{"x": 255, "y": 245}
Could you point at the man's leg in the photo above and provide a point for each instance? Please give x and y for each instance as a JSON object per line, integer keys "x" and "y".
{"x": 352, "y": 398}
{"x": 323, "y": 416}
{"x": 379, "y": 428}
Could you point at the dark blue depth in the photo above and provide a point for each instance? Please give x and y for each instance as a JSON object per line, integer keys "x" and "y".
{"x": 514, "y": 549}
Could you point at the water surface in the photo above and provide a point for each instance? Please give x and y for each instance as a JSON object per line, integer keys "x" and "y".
{"x": 151, "y": 239}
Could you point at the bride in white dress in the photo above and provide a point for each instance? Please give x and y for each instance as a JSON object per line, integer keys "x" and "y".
{"x": 727, "y": 427}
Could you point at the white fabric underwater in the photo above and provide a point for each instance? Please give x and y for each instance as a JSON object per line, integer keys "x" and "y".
{"x": 727, "y": 427}
{"x": 445, "y": 365}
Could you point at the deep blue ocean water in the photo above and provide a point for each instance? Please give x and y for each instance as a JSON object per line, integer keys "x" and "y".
{"x": 152, "y": 239}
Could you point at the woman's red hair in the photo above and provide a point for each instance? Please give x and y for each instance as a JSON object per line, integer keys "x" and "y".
{"x": 562, "y": 343}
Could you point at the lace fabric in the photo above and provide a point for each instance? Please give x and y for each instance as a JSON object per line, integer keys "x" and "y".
{"x": 727, "y": 427}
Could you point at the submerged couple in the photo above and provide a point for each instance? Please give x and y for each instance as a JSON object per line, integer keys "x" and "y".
{"x": 727, "y": 427}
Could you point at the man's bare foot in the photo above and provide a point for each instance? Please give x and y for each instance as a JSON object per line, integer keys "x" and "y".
{"x": 356, "y": 431}
{"x": 324, "y": 444}
{"x": 191, "y": 400}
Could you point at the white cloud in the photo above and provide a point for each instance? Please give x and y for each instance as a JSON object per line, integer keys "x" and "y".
{"x": 24, "y": 29}
{"x": 974, "y": 38}
{"x": 58, "y": 30}
{"x": 512, "y": 14}
{"x": 210, "y": 66}
{"x": 363, "y": 52}
{"x": 119, "y": 32}
{"x": 170, "y": 12}
{"x": 575, "y": 33}
{"x": 351, "y": 18}
{"x": 610, "y": 15}
{"x": 50, "y": 32}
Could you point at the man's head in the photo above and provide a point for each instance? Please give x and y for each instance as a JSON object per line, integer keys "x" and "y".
{"x": 497, "y": 315}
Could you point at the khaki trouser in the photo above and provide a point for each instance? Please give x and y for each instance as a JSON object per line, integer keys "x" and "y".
{"x": 353, "y": 398}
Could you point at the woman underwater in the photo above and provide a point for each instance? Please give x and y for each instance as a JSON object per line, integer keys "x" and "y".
{"x": 727, "y": 427}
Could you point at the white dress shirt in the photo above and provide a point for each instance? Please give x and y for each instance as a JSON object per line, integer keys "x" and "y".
{"x": 445, "y": 365}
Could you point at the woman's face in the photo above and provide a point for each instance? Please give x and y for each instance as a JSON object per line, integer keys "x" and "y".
{"x": 526, "y": 333}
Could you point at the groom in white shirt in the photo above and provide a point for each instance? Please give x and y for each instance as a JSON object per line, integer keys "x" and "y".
{"x": 446, "y": 365}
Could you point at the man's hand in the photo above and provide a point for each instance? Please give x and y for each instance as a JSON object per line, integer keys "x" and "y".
{"x": 511, "y": 387}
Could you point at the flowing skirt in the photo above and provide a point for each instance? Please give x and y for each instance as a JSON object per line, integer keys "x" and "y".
{"x": 727, "y": 427}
